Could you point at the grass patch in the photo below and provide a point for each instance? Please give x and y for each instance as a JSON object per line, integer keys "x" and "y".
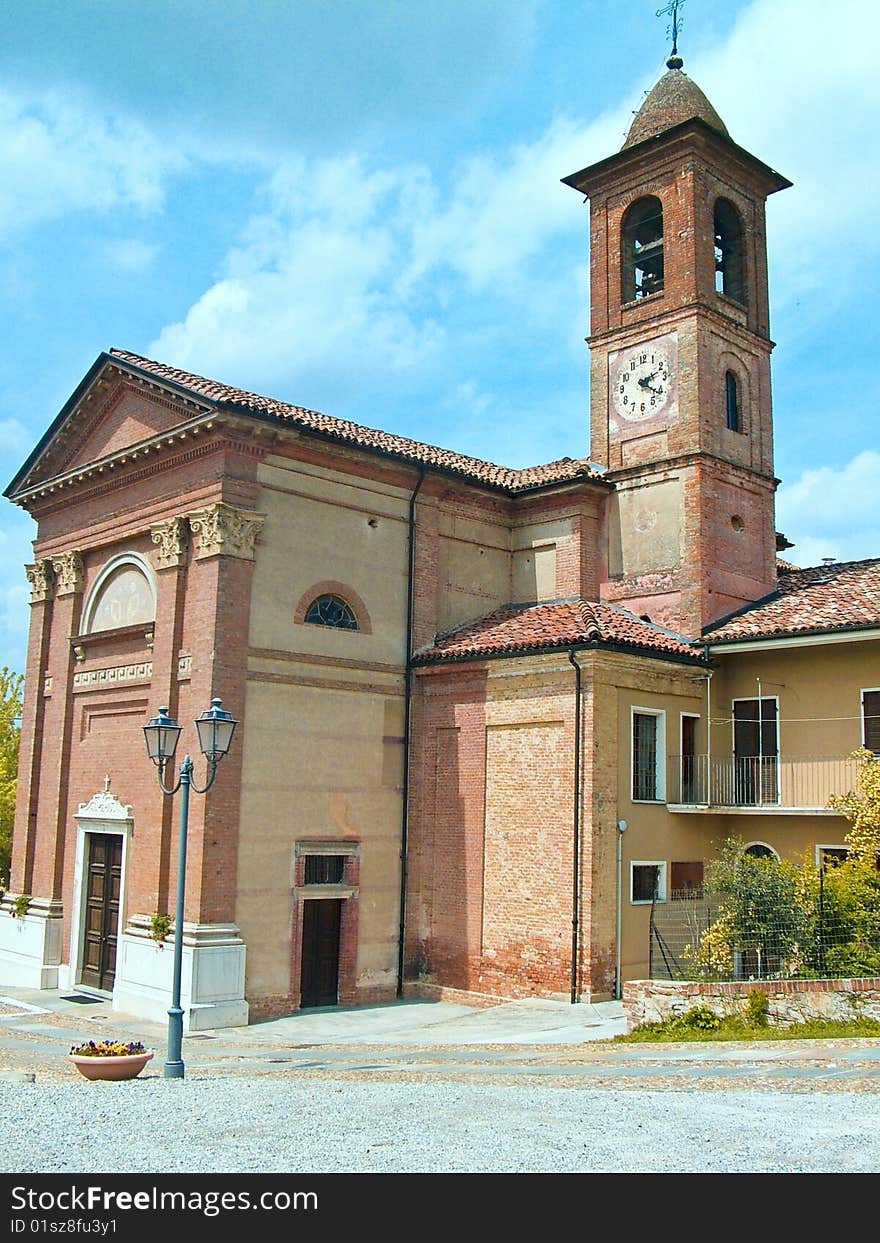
{"x": 701, "y": 1024}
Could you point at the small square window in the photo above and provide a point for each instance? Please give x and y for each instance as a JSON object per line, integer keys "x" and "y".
{"x": 648, "y": 882}
{"x": 324, "y": 869}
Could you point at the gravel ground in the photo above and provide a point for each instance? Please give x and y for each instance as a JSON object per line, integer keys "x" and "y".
{"x": 333, "y": 1124}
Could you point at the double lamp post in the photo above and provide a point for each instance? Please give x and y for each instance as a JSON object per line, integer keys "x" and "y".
{"x": 215, "y": 728}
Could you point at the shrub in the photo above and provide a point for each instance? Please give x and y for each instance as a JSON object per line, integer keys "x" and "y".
{"x": 757, "y": 1007}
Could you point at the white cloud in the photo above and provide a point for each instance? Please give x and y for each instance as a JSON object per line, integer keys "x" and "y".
{"x": 128, "y": 254}
{"x": 506, "y": 205}
{"x": 796, "y": 85}
{"x": 60, "y": 154}
{"x": 310, "y": 290}
{"x": 833, "y": 513}
{"x": 348, "y": 268}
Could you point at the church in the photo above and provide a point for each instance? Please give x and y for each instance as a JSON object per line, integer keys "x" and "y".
{"x": 487, "y": 718}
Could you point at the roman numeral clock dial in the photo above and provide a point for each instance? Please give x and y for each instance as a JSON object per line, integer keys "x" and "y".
{"x": 642, "y": 381}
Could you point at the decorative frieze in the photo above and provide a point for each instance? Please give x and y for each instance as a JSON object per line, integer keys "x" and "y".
{"x": 139, "y": 672}
{"x": 68, "y": 567}
{"x": 42, "y": 581}
{"x": 172, "y": 540}
{"x": 223, "y": 530}
{"x": 184, "y": 666}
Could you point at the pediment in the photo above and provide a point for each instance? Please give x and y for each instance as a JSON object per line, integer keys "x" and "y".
{"x": 111, "y": 411}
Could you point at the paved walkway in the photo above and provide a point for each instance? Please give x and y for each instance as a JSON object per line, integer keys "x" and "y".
{"x": 550, "y": 1041}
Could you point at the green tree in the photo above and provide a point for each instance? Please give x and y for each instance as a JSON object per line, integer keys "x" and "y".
{"x": 760, "y": 912}
{"x": 11, "y": 685}
{"x": 862, "y": 808}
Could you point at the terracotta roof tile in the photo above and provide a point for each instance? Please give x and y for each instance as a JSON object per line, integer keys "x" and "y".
{"x": 519, "y": 628}
{"x": 503, "y": 477}
{"x": 843, "y": 595}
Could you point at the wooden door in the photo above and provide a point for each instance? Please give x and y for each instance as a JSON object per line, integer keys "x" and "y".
{"x": 319, "y": 978}
{"x": 103, "y": 882}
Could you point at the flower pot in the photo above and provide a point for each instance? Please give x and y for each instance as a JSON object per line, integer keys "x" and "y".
{"x": 111, "y": 1067}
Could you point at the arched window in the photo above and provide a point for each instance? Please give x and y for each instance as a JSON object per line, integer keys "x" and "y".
{"x": 731, "y": 398}
{"x": 730, "y": 277}
{"x": 123, "y": 595}
{"x": 331, "y": 610}
{"x": 760, "y": 850}
{"x": 642, "y": 249}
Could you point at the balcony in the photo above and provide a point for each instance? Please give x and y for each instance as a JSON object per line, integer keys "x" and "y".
{"x": 779, "y": 785}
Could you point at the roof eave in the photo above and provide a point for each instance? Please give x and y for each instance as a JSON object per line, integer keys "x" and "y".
{"x": 799, "y": 638}
{"x": 582, "y": 181}
{"x": 546, "y": 649}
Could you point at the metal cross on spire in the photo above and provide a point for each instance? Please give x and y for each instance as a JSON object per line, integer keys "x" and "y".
{"x": 675, "y": 26}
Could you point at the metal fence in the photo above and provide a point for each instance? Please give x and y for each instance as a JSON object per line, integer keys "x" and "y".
{"x": 759, "y": 781}
{"x": 701, "y": 938}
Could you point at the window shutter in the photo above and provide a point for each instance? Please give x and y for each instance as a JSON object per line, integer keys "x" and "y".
{"x": 871, "y": 714}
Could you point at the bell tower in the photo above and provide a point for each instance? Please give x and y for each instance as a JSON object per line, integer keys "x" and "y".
{"x": 680, "y": 406}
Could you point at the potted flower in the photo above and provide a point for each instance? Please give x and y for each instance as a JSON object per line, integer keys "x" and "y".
{"x": 110, "y": 1059}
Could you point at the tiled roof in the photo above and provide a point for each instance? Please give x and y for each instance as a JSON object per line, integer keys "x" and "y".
{"x": 503, "y": 477}
{"x": 519, "y": 628}
{"x": 843, "y": 595}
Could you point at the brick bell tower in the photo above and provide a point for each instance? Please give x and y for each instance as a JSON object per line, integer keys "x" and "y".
{"x": 680, "y": 406}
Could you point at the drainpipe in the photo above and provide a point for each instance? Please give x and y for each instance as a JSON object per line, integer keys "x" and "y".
{"x": 407, "y": 706}
{"x": 708, "y": 789}
{"x": 575, "y": 853}
{"x": 618, "y": 988}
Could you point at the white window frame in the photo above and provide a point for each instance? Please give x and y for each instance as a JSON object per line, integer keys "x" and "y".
{"x": 863, "y": 691}
{"x": 661, "y": 880}
{"x": 660, "y": 762}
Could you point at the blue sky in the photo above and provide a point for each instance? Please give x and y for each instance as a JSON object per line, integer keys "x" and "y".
{"x": 356, "y": 205}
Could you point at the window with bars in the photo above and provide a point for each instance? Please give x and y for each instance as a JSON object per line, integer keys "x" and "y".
{"x": 647, "y": 756}
{"x": 324, "y": 869}
{"x": 648, "y": 882}
{"x": 871, "y": 720}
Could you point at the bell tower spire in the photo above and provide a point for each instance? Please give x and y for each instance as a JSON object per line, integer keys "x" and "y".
{"x": 680, "y": 405}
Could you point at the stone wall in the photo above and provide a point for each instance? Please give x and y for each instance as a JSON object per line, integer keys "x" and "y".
{"x": 790, "y": 1001}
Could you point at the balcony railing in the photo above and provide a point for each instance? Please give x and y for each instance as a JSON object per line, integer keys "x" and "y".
{"x": 784, "y": 781}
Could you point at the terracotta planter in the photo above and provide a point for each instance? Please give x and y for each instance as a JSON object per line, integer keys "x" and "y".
{"x": 111, "y": 1067}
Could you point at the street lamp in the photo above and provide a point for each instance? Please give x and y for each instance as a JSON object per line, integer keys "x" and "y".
{"x": 215, "y": 728}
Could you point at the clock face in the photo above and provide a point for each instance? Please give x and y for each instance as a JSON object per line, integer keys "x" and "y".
{"x": 641, "y": 382}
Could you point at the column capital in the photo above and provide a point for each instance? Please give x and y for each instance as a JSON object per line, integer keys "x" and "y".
{"x": 68, "y": 567}
{"x": 172, "y": 539}
{"x": 224, "y": 530}
{"x": 42, "y": 580}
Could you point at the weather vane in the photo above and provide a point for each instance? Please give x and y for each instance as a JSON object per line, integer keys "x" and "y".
{"x": 672, "y": 30}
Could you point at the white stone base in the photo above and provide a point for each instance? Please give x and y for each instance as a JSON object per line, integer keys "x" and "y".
{"x": 30, "y": 944}
{"x": 211, "y": 980}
